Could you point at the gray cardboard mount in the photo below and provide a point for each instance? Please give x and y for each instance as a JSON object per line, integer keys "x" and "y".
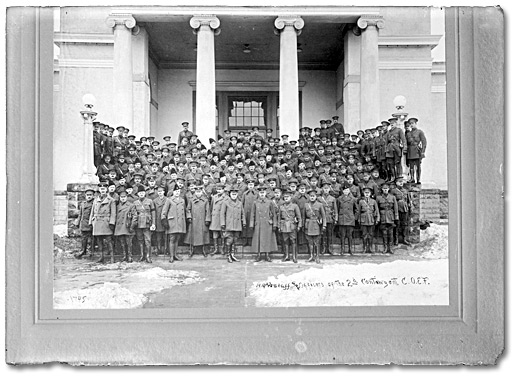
{"x": 468, "y": 331}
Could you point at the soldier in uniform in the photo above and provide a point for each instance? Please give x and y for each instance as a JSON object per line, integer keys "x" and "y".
{"x": 313, "y": 217}
{"x": 124, "y": 232}
{"x": 398, "y": 133}
{"x": 185, "y": 133}
{"x": 198, "y": 230}
{"x": 338, "y": 127}
{"x": 368, "y": 218}
{"x": 173, "y": 217}
{"x": 216, "y": 203}
{"x": 347, "y": 216}
{"x": 232, "y": 221}
{"x": 331, "y": 212}
{"x": 389, "y": 214}
{"x": 289, "y": 222}
{"x": 405, "y": 205}
{"x": 82, "y": 222}
{"x": 264, "y": 222}
{"x": 103, "y": 221}
{"x": 416, "y": 149}
{"x": 249, "y": 197}
{"x": 145, "y": 217}
{"x": 159, "y": 235}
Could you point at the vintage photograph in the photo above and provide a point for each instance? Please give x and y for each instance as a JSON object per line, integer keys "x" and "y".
{"x": 251, "y": 157}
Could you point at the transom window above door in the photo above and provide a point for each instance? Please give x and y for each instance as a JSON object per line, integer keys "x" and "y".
{"x": 247, "y": 112}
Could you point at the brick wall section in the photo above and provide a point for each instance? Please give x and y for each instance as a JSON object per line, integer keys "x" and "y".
{"x": 60, "y": 209}
{"x": 434, "y": 205}
{"x": 443, "y": 194}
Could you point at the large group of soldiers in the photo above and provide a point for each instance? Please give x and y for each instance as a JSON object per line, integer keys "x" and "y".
{"x": 268, "y": 192}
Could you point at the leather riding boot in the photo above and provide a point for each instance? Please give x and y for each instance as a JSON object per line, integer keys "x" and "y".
{"x": 111, "y": 250}
{"x": 406, "y": 234}
{"x": 329, "y": 243}
{"x": 258, "y": 257}
{"x": 215, "y": 247}
{"x": 311, "y": 253}
{"x": 389, "y": 245}
{"x": 369, "y": 245}
{"x": 227, "y": 251}
{"x": 342, "y": 250}
{"x": 141, "y": 251}
{"x": 83, "y": 248}
{"x": 317, "y": 255}
{"x": 384, "y": 243}
{"x": 175, "y": 256}
{"x": 233, "y": 253}
{"x": 396, "y": 237}
{"x": 102, "y": 258}
{"x": 364, "y": 245}
{"x": 172, "y": 251}
{"x": 129, "y": 253}
{"x": 294, "y": 253}
{"x": 349, "y": 243}
{"x": 267, "y": 257}
{"x": 148, "y": 253}
{"x": 286, "y": 252}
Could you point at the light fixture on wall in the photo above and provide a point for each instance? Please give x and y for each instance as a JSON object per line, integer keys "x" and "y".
{"x": 299, "y": 48}
{"x": 246, "y": 49}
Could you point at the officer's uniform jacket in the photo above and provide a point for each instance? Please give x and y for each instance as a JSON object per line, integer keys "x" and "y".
{"x": 388, "y": 209}
{"x": 103, "y": 170}
{"x": 184, "y": 134}
{"x": 84, "y": 215}
{"x": 368, "y": 211}
{"x": 399, "y": 134}
{"x": 159, "y": 204}
{"x": 354, "y": 189}
{"x": 125, "y": 213}
{"x": 331, "y": 209}
{"x": 216, "y": 205}
{"x": 102, "y": 215}
{"x": 416, "y": 142}
{"x": 347, "y": 210}
{"x": 232, "y": 215}
{"x": 404, "y": 199}
{"x": 289, "y": 217}
{"x": 174, "y": 210}
{"x": 145, "y": 213}
{"x": 313, "y": 216}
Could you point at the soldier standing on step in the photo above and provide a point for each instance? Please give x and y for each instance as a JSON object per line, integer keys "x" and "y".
{"x": 289, "y": 223}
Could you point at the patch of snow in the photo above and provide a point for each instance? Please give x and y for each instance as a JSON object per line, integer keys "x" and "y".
{"x": 108, "y": 295}
{"x": 60, "y": 230}
{"x": 119, "y": 285}
{"x": 399, "y": 282}
{"x": 434, "y": 243}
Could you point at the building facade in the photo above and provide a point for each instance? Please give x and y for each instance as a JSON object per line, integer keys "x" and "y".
{"x": 152, "y": 68}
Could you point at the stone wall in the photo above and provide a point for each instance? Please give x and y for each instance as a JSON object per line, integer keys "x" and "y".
{"x": 60, "y": 210}
{"x": 434, "y": 205}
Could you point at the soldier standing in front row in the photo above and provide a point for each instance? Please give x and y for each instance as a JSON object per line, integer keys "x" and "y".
{"x": 405, "y": 205}
{"x": 314, "y": 220}
{"x": 264, "y": 222}
{"x": 232, "y": 221}
{"x": 368, "y": 218}
{"x": 83, "y": 223}
{"x": 145, "y": 217}
{"x": 347, "y": 216}
{"x": 173, "y": 218}
{"x": 103, "y": 221}
{"x": 198, "y": 232}
{"x": 289, "y": 223}
{"x": 389, "y": 214}
{"x": 124, "y": 231}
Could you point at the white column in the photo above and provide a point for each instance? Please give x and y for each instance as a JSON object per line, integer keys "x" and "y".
{"x": 290, "y": 27}
{"x": 369, "y": 107}
{"x": 122, "y": 73}
{"x": 141, "y": 84}
{"x": 205, "y": 26}
{"x": 351, "y": 79}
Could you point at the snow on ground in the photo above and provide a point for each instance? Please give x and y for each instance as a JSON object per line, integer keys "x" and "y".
{"x": 434, "y": 243}
{"x": 400, "y": 282}
{"x": 118, "y": 285}
{"x": 60, "y": 230}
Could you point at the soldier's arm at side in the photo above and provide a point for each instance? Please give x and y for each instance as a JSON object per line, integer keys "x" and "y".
{"x": 223, "y": 211}
{"x": 252, "y": 216}
{"x": 113, "y": 209}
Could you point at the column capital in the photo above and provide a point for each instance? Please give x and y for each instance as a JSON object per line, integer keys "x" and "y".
{"x": 371, "y": 20}
{"x": 121, "y": 19}
{"x": 289, "y": 20}
{"x": 199, "y": 20}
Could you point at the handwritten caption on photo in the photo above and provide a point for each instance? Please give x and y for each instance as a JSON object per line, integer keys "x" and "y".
{"x": 347, "y": 283}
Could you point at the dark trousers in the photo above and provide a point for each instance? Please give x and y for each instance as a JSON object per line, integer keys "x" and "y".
{"x": 367, "y": 231}
{"x": 86, "y": 238}
{"x": 173, "y": 242}
{"x": 125, "y": 242}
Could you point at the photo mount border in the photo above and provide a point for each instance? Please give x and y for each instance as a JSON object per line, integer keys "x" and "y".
{"x": 330, "y": 335}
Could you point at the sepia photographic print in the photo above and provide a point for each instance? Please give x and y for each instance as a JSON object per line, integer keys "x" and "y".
{"x": 225, "y": 178}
